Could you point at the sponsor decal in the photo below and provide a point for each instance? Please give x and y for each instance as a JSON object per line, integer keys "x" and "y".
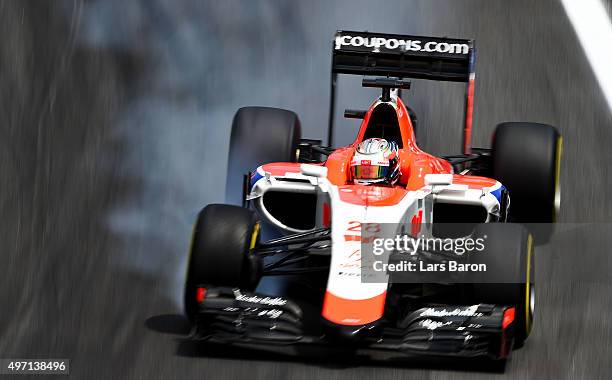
{"x": 273, "y": 313}
{"x": 458, "y": 312}
{"x": 266, "y": 313}
{"x": 277, "y": 301}
{"x": 376, "y": 43}
{"x": 432, "y": 325}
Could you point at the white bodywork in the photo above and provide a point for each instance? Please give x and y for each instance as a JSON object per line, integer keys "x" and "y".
{"x": 347, "y": 218}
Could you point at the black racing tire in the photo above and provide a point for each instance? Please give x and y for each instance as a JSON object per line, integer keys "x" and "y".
{"x": 509, "y": 257}
{"x": 220, "y": 253}
{"x": 260, "y": 135}
{"x": 527, "y": 161}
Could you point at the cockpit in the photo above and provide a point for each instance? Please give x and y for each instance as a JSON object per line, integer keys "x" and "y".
{"x": 383, "y": 124}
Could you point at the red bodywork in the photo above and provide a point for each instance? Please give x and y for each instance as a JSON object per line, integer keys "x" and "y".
{"x": 415, "y": 164}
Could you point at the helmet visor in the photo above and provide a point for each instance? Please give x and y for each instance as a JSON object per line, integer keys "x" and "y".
{"x": 370, "y": 171}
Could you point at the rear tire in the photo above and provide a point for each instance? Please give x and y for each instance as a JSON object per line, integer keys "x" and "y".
{"x": 260, "y": 135}
{"x": 220, "y": 251}
{"x": 509, "y": 257}
{"x": 526, "y": 160}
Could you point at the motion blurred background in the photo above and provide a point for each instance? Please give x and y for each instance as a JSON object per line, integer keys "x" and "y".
{"x": 114, "y": 132}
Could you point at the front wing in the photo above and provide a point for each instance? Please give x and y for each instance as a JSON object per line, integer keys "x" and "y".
{"x": 231, "y": 316}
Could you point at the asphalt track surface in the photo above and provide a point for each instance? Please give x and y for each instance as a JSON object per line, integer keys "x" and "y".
{"x": 114, "y": 128}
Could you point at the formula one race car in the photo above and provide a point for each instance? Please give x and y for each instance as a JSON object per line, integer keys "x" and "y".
{"x": 305, "y": 285}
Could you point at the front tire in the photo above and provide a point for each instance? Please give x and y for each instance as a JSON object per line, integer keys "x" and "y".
{"x": 509, "y": 278}
{"x": 223, "y": 237}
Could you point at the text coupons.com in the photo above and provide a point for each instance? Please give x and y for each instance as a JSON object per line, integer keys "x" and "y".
{"x": 406, "y": 45}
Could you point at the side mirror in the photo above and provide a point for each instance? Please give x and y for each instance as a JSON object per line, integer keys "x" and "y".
{"x": 438, "y": 179}
{"x": 318, "y": 171}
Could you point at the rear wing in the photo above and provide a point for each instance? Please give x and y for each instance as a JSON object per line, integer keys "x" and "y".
{"x": 393, "y": 55}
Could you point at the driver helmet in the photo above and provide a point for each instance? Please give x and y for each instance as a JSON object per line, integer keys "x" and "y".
{"x": 376, "y": 161}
